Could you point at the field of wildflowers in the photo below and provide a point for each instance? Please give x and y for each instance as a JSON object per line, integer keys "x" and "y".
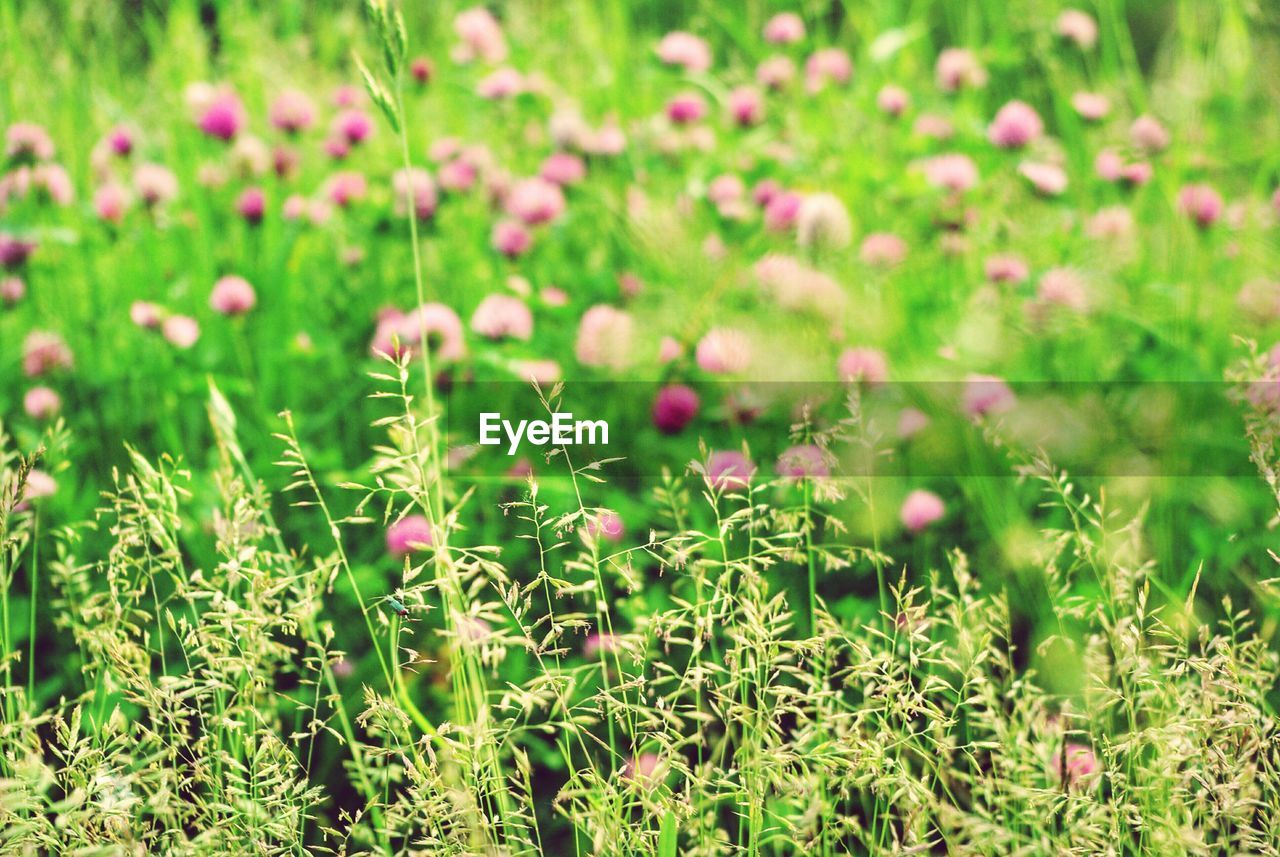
{"x": 925, "y": 500}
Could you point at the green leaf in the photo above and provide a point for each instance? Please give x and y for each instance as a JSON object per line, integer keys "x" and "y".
{"x": 668, "y": 835}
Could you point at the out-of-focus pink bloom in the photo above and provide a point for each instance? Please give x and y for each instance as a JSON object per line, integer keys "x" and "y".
{"x": 598, "y": 642}
{"x": 893, "y": 100}
{"x": 1137, "y": 173}
{"x": 15, "y": 251}
{"x": 1063, "y": 287}
{"x": 563, "y": 168}
{"x": 481, "y": 36}
{"x": 354, "y": 126}
{"x": 409, "y": 534}
{"x": 1016, "y": 125}
{"x": 43, "y": 352}
{"x": 729, "y": 470}
{"x": 863, "y": 366}
{"x": 604, "y": 337}
{"x": 458, "y": 175}
{"x": 1079, "y": 27}
{"x": 1092, "y": 106}
{"x": 348, "y": 95}
{"x": 987, "y": 394}
{"x": 110, "y": 202}
{"x": 534, "y": 201}
{"x": 1006, "y": 269}
{"x": 155, "y": 184}
{"x": 284, "y": 161}
{"x": 1275, "y": 201}
{"x": 954, "y": 172}
{"x": 685, "y": 50}
{"x": 781, "y": 211}
{"x": 764, "y": 191}
{"x": 503, "y": 317}
{"x": 435, "y": 323}
{"x": 686, "y": 107}
{"x": 505, "y": 82}
{"x": 182, "y": 331}
{"x": 1114, "y": 221}
{"x": 1259, "y": 300}
{"x": 345, "y": 188}
{"x": 292, "y": 111}
{"x": 12, "y": 290}
{"x": 26, "y": 142}
{"x": 958, "y": 68}
{"x": 803, "y": 461}
{"x": 41, "y": 403}
{"x": 337, "y": 148}
{"x": 421, "y": 70}
{"x": 630, "y": 284}
{"x": 1081, "y": 766}
{"x": 746, "y": 106}
{"x": 38, "y": 486}
{"x": 511, "y": 238}
{"x": 725, "y": 189}
{"x": 785, "y": 28}
{"x": 828, "y": 65}
{"x": 723, "y": 351}
{"x": 1047, "y": 179}
{"x": 642, "y": 769}
{"x": 294, "y": 208}
{"x": 920, "y": 509}
{"x": 933, "y": 126}
{"x": 1147, "y": 133}
{"x": 823, "y": 221}
{"x": 232, "y": 295}
{"x": 414, "y": 187}
{"x": 669, "y": 349}
{"x": 775, "y": 72}
{"x": 1201, "y": 203}
{"x": 797, "y": 286}
{"x": 911, "y": 421}
{"x": 674, "y": 407}
{"x": 53, "y": 182}
{"x": 604, "y": 524}
{"x": 883, "y": 250}
{"x": 120, "y": 141}
{"x": 223, "y": 117}
{"x": 252, "y": 205}
{"x": 145, "y": 314}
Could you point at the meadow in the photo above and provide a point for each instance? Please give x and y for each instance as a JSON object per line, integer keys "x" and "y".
{"x": 937, "y": 347}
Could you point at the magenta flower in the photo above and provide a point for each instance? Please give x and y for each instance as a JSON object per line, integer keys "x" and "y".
{"x": 511, "y": 238}
{"x": 642, "y": 769}
{"x": 723, "y": 351}
{"x": 41, "y": 403}
{"x": 232, "y": 295}
{"x": 120, "y": 141}
{"x": 958, "y": 68}
{"x": 729, "y": 470}
{"x": 1201, "y": 203}
{"x": 920, "y": 509}
{"x": 597, "y": 642}
{"x": 421, "y": 70}
{"x": 781, "y": 211}
{"x": 503, "y": 317}
{"x": 354, "y": 126}
{"x": 345, "y": 188}
{"x": 44, "y": 352}
{"x": 686, "y": 107}
{"x": 785, "y": 28}
{"x": 987, "y": 394}
{"x": 1016, "y": 125}
{"x": 863, "y": 366}
{"x": 14, "y": 251}
{"x": 534, "y": 201}
{"x": 252, "y": 205}
{"x": 182, "y": 331}
{"x": 604, "y": 524}
{"x": 292, "y": 112}
{"x": 805, "y": 461}
{"x": 1079, "y": 27}
{"x": 408, "y": 535}
{"x": 674, "y": 407}
{"x": 563, "y": 168}
{"x": 223, "y": 117}
{"x": 685, "y": 50}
